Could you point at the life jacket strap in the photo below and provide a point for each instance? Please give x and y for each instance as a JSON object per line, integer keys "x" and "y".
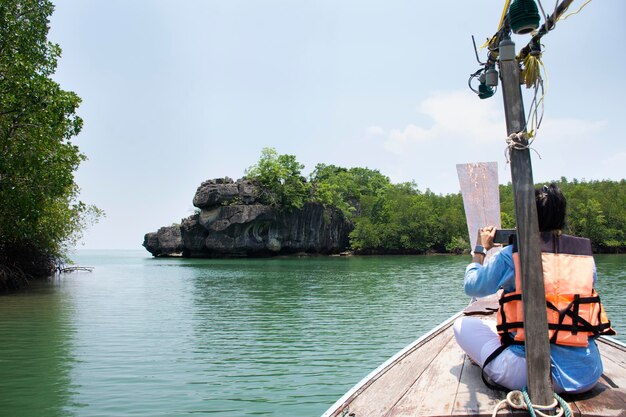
{"x": 572, "y": 311}
{"x": 490, "y": 358}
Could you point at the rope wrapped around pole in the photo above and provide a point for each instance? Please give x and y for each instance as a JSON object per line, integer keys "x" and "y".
{"x": 518, "y": 142}
{"x": 519, "y": 400}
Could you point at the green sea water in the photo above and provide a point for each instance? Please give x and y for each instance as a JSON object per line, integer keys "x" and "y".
{"x": 140, "y": 336}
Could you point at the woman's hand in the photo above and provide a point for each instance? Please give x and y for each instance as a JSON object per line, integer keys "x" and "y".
{"x": 485, "y": 237}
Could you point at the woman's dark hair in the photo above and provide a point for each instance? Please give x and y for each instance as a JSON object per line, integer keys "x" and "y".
{"x": 551, "y": 207}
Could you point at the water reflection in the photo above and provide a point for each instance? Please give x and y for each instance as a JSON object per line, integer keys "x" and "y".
{"x": 612, "y": 286}
{"x": 275, "y": 334}
{"x": 36, "y": 337}
{"x": 173, "y": 337}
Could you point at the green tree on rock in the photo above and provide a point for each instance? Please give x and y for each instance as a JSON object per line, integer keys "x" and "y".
{"x": 346, "y": 188}
{"x": 40, "y": 214}
{"x": 280, "y": 178}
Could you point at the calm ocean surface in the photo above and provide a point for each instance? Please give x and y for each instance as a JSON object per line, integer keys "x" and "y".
{"x": 140, "y": 336}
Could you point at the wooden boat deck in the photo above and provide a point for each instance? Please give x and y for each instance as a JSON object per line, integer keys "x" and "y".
{"x": 433, "y": 377}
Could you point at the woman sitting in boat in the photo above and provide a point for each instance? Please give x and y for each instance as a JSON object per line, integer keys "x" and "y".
{"x": 575, "y": 315}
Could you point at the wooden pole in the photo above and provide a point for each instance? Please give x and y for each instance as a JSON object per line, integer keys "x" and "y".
{"x": 533, "y": 291}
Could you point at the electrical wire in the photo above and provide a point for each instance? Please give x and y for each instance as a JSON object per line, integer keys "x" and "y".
{"x": 543, "y": 13}
{"x": 536, "y": 110}
{"x": 576, "y": 12}
{"x": 537, "y": 105}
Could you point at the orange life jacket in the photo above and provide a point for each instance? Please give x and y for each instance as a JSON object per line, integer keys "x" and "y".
{"x": 573, "y": 307}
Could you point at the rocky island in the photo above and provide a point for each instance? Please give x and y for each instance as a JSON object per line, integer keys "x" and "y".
{"x": 231, "y": 221}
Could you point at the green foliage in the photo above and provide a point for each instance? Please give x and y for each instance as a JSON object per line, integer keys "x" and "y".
{"x": 403, "y": 219}
{"x": 39, "y": 208}
{"x": 390, "y": 217}
{"x": 587, "y": 219}
{"x": 507, "y": 221}
{"x": 458, "y": 245}
{"x": 281, "y": 179}
{"x": 595, "y": 209}
{"x": 345, "y": 188}
{"x": 399, "y": 218}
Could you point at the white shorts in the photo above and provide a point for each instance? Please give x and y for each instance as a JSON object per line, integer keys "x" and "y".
{"x": 479, "y": 339}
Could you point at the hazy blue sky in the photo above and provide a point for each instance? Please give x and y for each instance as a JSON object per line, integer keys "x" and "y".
{"x": 177, "y": 92}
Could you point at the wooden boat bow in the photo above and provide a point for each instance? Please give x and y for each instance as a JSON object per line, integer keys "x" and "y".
{"x": 433, "y": 377}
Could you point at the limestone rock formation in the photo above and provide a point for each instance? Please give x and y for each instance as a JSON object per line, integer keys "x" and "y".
{"x": 221, "y": 191}
{"x": 233, "y": 222}
{"x": 165, "y": 241}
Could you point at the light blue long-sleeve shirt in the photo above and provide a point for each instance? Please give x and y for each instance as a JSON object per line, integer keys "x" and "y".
{"x": 575, "y": 369}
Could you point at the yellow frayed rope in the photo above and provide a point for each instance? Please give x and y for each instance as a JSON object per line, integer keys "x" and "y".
{"x": 532, "y": 70}
{"x": 504, "y": 13}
